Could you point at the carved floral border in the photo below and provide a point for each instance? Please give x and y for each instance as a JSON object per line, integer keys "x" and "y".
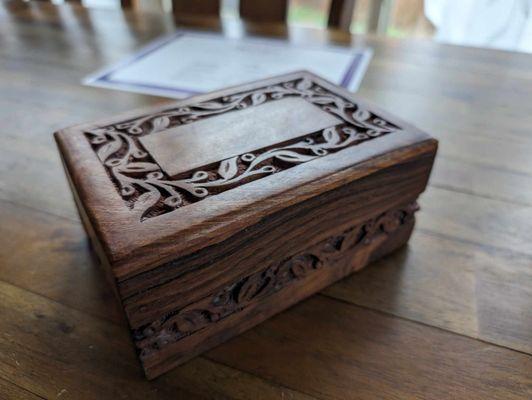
{"x": 241, "y": 294}
{"x": 149, "y": 192}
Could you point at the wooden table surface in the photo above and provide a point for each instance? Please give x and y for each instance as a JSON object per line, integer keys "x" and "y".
{"x": 449, "y": 316}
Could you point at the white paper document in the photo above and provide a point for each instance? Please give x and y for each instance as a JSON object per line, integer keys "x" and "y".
{"x": 189, "y": 63}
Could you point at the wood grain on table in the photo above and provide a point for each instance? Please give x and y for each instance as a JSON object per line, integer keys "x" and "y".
{"x": 449, "y": 316}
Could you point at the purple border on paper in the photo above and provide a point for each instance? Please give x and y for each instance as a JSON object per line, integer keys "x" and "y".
{"x": 157, "y": 44}
{"x": 346, "y": 80}
{"x": 150, "y": 86}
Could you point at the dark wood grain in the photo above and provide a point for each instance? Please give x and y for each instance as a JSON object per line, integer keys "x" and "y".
{"x": 447, "y": 278}
{"x": 87, "y": 358}
{"x": 11, "y": 391}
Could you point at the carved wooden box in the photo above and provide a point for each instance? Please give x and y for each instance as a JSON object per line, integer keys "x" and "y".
{"x": 216, "y": 212}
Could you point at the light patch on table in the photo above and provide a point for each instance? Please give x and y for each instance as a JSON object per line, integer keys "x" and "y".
{"x": 186, "y": 147}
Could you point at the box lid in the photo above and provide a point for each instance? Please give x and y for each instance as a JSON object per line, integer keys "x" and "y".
{"x": 163, "y": 182}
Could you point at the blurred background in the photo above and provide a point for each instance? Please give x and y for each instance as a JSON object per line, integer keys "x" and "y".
{"x": 503, "y": 24}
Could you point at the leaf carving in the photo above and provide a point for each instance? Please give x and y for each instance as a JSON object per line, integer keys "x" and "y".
{"x": 301, "y": 267}
{"x": 293, "y": 157}
{"x": 209, "y": 105}
{"x": 139, "y": 167}
{"x": 228, "y": 168}
{"x": 258, "y": 98}
{"x": 146, "y": 201}
{"x": 331, "y": 136}
{"x": 304, "y": 84}
{"x": 160, "y": 123}
{"x": 361, "y": 115}
{"x": 322, "y": 100}
{"x": 190, "y": 321}
{"x": 108, "y": 149}
{"x": 248, "y": 290}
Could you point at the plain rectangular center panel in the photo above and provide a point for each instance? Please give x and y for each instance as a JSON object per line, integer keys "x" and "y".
{"x": 200, "y": 143}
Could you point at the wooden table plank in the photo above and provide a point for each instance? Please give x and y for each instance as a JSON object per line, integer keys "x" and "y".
{"x": 51, "y": 256}
{"x": 477, "y": 220}
{"x": 496, "y": 153}
{"x": 10, "y": 391}
{"x": 473, "y": 290}
{"x": 352, "y": 352}
{"x": 483, "y": 180}
{"x": 54, "y": 351}
{"x": 367, "y": 352}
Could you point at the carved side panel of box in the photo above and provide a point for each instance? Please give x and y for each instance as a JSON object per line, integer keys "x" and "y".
{"x": 169, "y": 341}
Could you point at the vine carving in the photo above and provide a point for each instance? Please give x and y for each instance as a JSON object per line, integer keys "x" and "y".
{"x": 148, "y": 191}
{"x": 258, "y": 286}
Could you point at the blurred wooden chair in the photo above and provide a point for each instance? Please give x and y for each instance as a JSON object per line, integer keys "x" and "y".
{"x": 264, "y": 11}
{"x": 196, "y": 8}
{"x": 341, "y": 14}
{"x": 269, "y": 11}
